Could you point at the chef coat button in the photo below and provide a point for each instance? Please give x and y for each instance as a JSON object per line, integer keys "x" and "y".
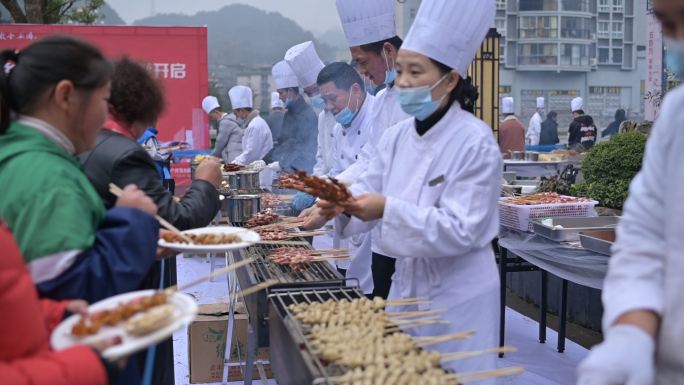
{"x": 342, "y": 156}
{"x": 344, "y": 133}
{"x": 331, "y": 135}
{"x": 359, "y": 132}
{"x": 356, "y": 157}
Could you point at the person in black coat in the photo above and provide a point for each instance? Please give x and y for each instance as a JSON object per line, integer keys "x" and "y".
{"x": 549, "y": 130}
{"x": 614, "y": 127}
{"x": 299, "y": 139}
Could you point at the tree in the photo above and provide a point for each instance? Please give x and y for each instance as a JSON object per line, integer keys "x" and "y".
{"x": 54, "y": 11}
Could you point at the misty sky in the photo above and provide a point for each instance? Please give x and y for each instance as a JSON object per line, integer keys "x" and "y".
{"x": 313, "y": 15}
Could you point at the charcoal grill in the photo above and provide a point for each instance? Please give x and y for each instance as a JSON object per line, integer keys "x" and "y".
{"x": 315, "y": 274}
{"x": 291, "y": 354}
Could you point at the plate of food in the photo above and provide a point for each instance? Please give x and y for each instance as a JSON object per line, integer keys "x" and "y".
{"x": 141, "y": 318}
{"x": 211, "y": 240}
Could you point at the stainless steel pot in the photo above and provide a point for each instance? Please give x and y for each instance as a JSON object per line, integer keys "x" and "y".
{"x": 239, "y": 208}
{"x": 232, "y": 180}
{"x": 532, "y": 156}
{"x": 248, "y": 180}
{"x": 517, "y": 155}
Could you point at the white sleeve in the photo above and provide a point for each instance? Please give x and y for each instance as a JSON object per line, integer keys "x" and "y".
{"x": 337, "y": 166}
{"x": 636, "y": 268}
{"x": 465, "y": 217}
{"x": 319, "y": 168}
{"x": 250, "y": 147}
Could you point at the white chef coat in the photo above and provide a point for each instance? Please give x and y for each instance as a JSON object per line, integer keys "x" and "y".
{"x": 646, "y": 270}
{"x": 440, "y": 217}
{"x": 534, "y": 130}
{"x": 386, "y": 113}
{"x": 326, "y": 143}
{"x": 256, "y": 142}
{"x": 349, "y": 143}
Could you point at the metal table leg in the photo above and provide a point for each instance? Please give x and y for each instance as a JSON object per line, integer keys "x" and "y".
{"x": 503, "y": 256}
{"x": 562, "y": 316}
{"x": 542, "y": 307}
{"x": 249, "y": 359}
{"x": 232, "y": 288}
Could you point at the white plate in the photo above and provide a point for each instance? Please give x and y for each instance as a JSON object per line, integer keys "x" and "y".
{"x": 184, "y": 314}
{"x": 248, "y": 239}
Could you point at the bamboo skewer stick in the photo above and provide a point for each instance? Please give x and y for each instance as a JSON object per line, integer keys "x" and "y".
{"x": 419, "y": 320}
{"x": 427, "y": 341}
{"x": 254, "y": 289}
{"x": 486, "y": 374}
{"x": 284, "y": 243}
{"x": 411, "y": 314}
{"x": 117, "y": 191}
{"x": 462, "y": 355}
{"x": 397, "y": 301}
{"x": 207, "y": 277}
{"x": 415, "y": 325}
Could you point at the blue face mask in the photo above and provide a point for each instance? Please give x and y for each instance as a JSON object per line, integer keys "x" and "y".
{"x": 241, "y": 121}
{"x": 318, "y": 102}
{"x": 417, "y": 102}
{"x": 674, "y": 57}
{"x": 390, "y": 74}
{"x": 345, "y": 116}
{"x": 542, "y": 112}
{"x": 288, "y": 101}
{"x": 368, "y": 87}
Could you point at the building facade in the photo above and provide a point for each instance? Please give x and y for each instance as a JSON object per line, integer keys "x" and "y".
{"x": 561, "y": 49}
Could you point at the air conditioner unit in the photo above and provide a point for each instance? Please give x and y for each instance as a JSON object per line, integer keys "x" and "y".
{"x": 593, "y": 62}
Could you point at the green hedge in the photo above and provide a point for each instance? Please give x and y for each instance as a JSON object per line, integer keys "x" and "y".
{"x": 609, "y": 167}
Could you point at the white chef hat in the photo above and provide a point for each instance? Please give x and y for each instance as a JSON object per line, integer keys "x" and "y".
{"x": 540, "y": 102}
{"x": 450, "y": 32}
{"x": 367, "y": 21}
{"x": 283, "y": 77}
{"x": 304, "y": 62}
{"x": 240, "y": 97}
{"x": 275, "y": 101}
{"x": 576, "y": 104}
{"x": 507, "y": 105}
{"x": 210, "y": 103}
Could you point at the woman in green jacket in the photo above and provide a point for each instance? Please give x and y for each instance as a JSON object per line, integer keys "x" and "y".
{"x": 57, "y": 89}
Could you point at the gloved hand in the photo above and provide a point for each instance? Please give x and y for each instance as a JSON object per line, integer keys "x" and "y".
{"x": 302, "y": 201}
{"x": 625, "y": 357}
{"x": 275, "y": 166}
{"x": 258, "y": 164}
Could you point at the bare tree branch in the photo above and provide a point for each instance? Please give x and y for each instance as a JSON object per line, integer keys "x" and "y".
{"x": 14, "y": 10}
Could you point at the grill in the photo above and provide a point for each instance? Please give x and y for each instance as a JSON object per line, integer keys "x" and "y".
{"x": 315, "y": 274}
{"x": 253, "y": 191}
{"x": 291, "y": 354}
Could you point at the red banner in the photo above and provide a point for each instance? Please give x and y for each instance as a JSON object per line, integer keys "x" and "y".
{"x": 178, "y": 55}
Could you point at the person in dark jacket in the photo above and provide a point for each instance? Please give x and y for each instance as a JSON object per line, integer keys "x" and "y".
{"x": 582, "y": 130}
{"x": 275, "y": 123}
{"x": 299, "y": 139}
{"x": 136, "y": 101}
{"x": 614, "y": 127}
{"x": 549, "y": 130}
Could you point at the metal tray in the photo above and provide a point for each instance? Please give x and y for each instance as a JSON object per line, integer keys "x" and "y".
{"x": 572, "y": 227}
{"x": 598, "y": 241}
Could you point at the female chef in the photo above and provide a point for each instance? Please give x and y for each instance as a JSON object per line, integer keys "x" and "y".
{"x": 642, "y": 293}
{"x": 434, "y": 185}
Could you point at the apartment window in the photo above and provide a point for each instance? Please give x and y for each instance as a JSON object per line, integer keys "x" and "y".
{"x": 502, "y": 51}
{"x": 412, "y": 13}
{"x": 538, "y": 54}
{"x": 604, "y": 55}
{"x": 603, "y": 29}
{"x": 617, "y": 29}
{"x": 617, "y": 56}
{"x": 618, "y": 6}
{"x": 604, "y": 5}
{"x": 500, "y": 25}
{"x": 538, "y": 5}
{"x": 575, "y": 28}
{"x": 576, "y": 5}
{"x": 500, "y": 4}
{"x": 574, "y": 55}
{"x": 504, "y": 89}
{"x": 539, "y": 27}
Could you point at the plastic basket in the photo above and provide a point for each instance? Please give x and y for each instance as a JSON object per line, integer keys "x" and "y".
{"x": 521, "y": 217}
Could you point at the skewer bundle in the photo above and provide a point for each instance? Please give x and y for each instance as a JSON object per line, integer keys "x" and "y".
{"x": 330, "y": 190}
{"x": 231, "y": 167}
{"x": 295, "y": 257}
{"x": 265, "y": 217}
{"x": 203, "y": 239}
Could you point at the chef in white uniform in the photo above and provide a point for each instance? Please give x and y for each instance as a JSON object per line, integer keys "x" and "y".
{"x": 642, "y": 292}
{"x": 346, "y": 98}
{"x": 306, "y": 65}
{"x": 435, "y": 183}
{"x": 372, "y": 24}
{"x": 534, "y": 129}
{"x": 257, "y": 141}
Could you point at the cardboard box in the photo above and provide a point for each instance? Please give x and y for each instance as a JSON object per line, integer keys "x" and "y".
{"x": 207, "y": 338}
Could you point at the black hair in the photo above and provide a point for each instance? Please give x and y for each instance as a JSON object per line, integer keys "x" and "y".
{"x": 340, "y": 73}
{"x": 354, "y": 64}
{"x": 277, "y": 108}
{"x": 42, "y": 65}
{"x": 551, "y": 115}
{"x": 465, "y": 93}
{"x": 136, "y": 94}
{"x": 581, "y": 112}
{"x": 620, "y": 115}
{"x": 248, "y": 109}
{"x": 376, "y": 47}
{"x": 294, "y": 89}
